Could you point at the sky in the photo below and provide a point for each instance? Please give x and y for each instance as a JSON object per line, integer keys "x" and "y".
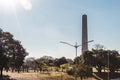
{"x": 40, "y": 25}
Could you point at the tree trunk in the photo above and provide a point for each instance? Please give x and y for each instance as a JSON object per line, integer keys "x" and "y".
{"x": 18, "y": 70}
{"x": 75, "y": 77}
{"x": 99, "y": 69}
{"x": 1, "y": 72}
{"x": 12, "y": 69}
{"x": 81, "y": 78}
{"x": 27, "y": 69}
{"x": 104, "y": 69}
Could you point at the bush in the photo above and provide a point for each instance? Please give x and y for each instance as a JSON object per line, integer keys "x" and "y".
{"x": 70, "y": 72}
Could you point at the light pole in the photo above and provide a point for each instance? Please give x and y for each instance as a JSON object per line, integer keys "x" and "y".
{"x": 108, "y": 66}
{"x": 75, "y": 46}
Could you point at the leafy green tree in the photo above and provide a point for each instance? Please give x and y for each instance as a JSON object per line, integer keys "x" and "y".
{"x": 60, "y": 61}
{"x": 113, "y": 62}
{"x": 100, "y": 59}
{"x": 19, "y": 54}
{"x": 39, "y": 65}
{"x": 35, "y": 65}
{"x": 81, "y": 67}
{"x": 44, "y": 67}
{"x": 77, "y": 60}
{"x": 83, "y": 71}
{"x": 29, "y": 62}
{"x": 12, "y": 52}
{"x": 64, "y": 66}
{"x": 47, "y": 60}
{"x": 95, "y": 58}
{"x": 88, "y": 58}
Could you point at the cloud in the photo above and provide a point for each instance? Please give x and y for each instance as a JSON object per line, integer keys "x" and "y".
{"x": 26, "y": 4}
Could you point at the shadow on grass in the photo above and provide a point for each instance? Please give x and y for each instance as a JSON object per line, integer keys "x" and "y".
{"x": 104, "y": 75}
{"x": 6, "y": 77}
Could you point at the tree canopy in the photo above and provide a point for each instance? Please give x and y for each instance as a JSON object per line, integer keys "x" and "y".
{"x": 12, "y": 52}
{"x": 100, "y": 59}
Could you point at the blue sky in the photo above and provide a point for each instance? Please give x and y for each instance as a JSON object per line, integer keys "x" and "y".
{"x": 48, "y": 22}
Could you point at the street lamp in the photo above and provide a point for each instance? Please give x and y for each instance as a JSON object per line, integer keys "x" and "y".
{"x": 108, "y": 66}
{"x": 76, "y": 45}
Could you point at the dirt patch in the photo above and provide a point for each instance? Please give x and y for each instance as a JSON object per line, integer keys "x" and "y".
{"x": 39, "y": 76}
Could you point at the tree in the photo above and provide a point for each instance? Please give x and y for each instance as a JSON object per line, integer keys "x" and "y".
{"x": 80, "y": 70}
{"x": 48, "y": 60}
{"x": 64, "y": 67}
{"x": 101, "y": 59}
{"x": 70, "y": 61}
{"x": 99, "y": 46}
{"x": 19, "y": 54}
{"x": 35, "y": 65}
{"x": 39, "y": 64}
{"x": 29, "y": 61}
{"x": 12, "y": 52}
{"x": 83, "y": 71}
{"x": 113, "y": 61}
{"x": 95, "y": 58}
{"x": 81, "y": 66}
{"x": 88, "y": 58}
{"x": 28, "y": 64}
{"x": 60, "y": 61}
{"x": 77, "y": 60}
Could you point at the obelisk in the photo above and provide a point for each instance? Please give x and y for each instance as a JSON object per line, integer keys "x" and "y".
{"x": 84, "y": 33}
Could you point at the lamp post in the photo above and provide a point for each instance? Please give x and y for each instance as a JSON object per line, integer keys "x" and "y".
{"x": 75, "y": 46}
{"x": 108, "y": 66}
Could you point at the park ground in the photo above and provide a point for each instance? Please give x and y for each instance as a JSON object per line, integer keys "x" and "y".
{"x": 56, "y": 76}
{"x": 40, "y": 76}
